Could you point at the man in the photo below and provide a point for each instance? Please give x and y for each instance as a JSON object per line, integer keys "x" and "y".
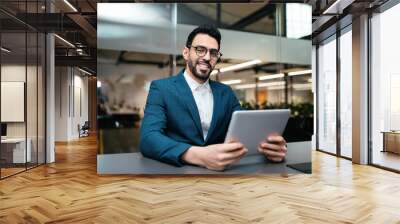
{"x": 187, "y": 116}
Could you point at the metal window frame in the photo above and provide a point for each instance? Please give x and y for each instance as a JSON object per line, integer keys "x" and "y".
{"x": 333, "y": 37}
{"x": 44, "y": 74}
{"x": 381, "y": 9}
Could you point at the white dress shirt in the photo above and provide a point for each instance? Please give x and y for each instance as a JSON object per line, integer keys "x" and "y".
{"x": 203, "y": 97}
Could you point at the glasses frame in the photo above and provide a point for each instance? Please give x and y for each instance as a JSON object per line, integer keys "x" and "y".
{"x": 208, "y": 50}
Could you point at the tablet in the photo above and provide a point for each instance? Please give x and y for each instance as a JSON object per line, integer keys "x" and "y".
{"x": 250, "y": 127}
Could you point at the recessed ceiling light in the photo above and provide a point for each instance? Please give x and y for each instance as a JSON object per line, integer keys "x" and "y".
{"x": 274, "y": 76}
{"x": 5, "y": 50}
{"x": 65, "y": 41}
{"x": 70, "y": 5}
{"x": 231, "y": 82}
{"x": 303, "y": 72}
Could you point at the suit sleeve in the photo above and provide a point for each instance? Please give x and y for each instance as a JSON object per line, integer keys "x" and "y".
{"x": 153, "y": 141}
{"x": 234, "y": 102}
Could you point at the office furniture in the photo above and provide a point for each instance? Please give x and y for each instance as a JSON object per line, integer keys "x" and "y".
{"x": 84, "y": 130}
{"x": 13, "y": 150}
{"x": 391, "y": 141}
{"x": 3, "y": 130}
{"x": 135, "y": 163}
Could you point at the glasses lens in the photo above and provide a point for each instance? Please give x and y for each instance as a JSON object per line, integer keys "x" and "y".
{"x": 214, "y": 53}
{"x": 201, "y": 51}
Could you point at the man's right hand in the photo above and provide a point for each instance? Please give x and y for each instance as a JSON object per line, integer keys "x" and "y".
{"x": 215, "y": 157}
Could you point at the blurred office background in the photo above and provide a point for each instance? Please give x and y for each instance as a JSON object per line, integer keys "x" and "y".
{"x": 266, "y": 60}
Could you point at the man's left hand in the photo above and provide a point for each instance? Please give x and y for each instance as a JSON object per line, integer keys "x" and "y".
{"x": 274, "y": 148}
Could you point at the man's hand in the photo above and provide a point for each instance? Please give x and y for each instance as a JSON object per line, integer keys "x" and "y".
{"x": 274, "y": 148}
{"x": 215, "y": 157}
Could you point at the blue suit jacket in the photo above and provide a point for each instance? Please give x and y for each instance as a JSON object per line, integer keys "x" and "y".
{"x": 171, "y": 122}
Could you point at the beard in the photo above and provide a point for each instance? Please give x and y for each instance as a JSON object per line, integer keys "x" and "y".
{"x": 198, "y": 71}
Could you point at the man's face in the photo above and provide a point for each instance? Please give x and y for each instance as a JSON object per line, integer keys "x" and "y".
{"x": 201, "y": 66}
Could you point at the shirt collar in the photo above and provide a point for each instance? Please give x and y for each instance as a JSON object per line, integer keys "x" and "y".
{"x": 193, "y": 84}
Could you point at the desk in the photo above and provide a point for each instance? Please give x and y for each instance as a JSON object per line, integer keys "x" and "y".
{"x": 135, "y": 163}
{"x": 391, "y": 141}
{"x": 17, "y": 150}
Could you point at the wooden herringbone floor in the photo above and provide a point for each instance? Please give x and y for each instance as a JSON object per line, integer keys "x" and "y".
{"x": 70, "y": 191}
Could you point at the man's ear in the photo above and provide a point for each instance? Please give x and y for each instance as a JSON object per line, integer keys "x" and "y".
{"x": 185, "y": 53}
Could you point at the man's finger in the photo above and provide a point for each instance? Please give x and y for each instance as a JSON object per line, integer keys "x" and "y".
{"x": 234, "y": 160}
{"x": 234, "y": 154}
{"x": 273, "y": 147}
{"x": 276, "y": 138}
{"x": 273, "y": 153}
{"x": 228, "y": 147}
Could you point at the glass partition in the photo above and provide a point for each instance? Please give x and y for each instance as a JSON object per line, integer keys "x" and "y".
{"x": 14, "y": 145}
{"x": 346, "y": 93}
{"x": 22, "y": 90}
{"x": 327, "y": 96}
{"x": 385, "y": 85}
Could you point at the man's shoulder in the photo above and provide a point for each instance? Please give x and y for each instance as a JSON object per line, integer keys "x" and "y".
{"x": 169, "y": 79}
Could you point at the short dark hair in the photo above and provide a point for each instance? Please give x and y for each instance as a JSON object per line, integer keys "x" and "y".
{"x": 210, "y": 30}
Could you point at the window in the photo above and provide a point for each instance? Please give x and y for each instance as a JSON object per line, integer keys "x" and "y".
{"x": 327, "y": 96}
{"x": 385, "y": 84}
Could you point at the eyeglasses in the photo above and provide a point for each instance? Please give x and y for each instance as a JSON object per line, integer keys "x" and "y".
{"x": 201, "y": 51}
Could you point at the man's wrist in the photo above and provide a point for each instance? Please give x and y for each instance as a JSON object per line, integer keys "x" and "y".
{"x": 192, "y": 156}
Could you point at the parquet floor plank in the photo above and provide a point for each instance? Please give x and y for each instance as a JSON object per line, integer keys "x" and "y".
{"x": 70, "y": 191}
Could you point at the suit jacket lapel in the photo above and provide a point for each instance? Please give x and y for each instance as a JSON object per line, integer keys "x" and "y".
{"x": 187, "y": 97}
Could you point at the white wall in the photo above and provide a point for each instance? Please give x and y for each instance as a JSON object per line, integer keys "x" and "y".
{"x": 33, "y": 126}
{"x": 70, "y": 83}
{"x": 12, "y": 73}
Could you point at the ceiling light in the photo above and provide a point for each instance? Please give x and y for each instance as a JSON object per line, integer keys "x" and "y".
{"x": 240, "y": 66}
{"x": 70, "y": 5}
{"x": 86, "y": 72}
{"x": 268, "y": 84}
{"x": 303, "y": 72}
{"x": 265, "y": 84}
{"x": 245, "y": 86}
{"x": 302, "y": 86}
{"x": 65, "y": 41}
{"x": 5, "y": 50}
{"x": 331, "y": 7}
{"x": 231, "y": 82}
{"x": 276, "y": 87}
{"x": 275, "y": 76}
{"x": 337, "y": 7}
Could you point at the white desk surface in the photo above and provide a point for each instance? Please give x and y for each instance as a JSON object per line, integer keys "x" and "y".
{"x": 13, "y": 140}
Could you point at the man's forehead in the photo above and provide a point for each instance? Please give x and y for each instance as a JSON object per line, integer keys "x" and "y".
{"x": 205, "y": 40}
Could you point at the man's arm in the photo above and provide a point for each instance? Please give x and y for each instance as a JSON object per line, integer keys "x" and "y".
{"x": 153, "y": 141}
